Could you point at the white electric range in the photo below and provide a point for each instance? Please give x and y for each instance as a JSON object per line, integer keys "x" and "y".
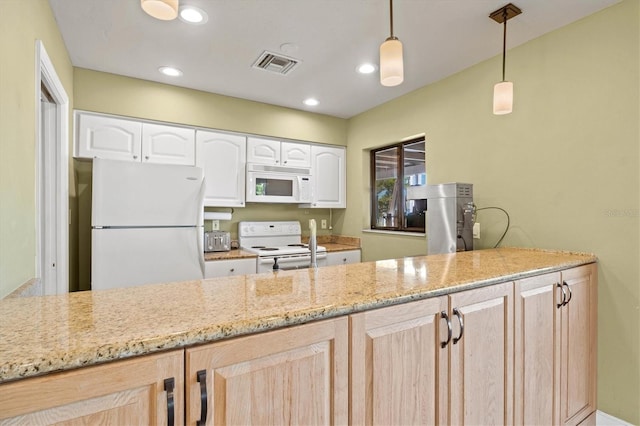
{"x": 278, "y": 245}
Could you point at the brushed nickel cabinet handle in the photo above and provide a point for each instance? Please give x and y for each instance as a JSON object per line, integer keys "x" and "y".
{"x": 564, "y": 283}
{"x": 457, "y": 313}
{"x": 445, "y": 317}
{"x": 169, "y": 385}
{"x": 202, "y": 379}
{"x": 564, "y": 296}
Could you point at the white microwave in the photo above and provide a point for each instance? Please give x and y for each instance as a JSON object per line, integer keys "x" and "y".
{"x": 277, "y": 184}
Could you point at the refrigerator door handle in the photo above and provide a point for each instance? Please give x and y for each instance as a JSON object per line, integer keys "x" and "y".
{"x": 200, "y": 217}
{"x": 200, "y": 245}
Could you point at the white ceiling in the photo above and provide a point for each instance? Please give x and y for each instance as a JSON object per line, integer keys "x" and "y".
{"x": 440, "y": 38}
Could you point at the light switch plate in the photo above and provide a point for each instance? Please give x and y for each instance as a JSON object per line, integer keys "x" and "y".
{"x": 476, "y": 231}
{"x": 323, "y": 224}
{"x": 215, "y": 225}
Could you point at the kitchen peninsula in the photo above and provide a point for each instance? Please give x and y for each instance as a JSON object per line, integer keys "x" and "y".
{"x": 364, "y": 335}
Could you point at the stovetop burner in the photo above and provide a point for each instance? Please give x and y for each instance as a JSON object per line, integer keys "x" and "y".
{"x": 269, "y": 249}
{"x": 297, "y": 245}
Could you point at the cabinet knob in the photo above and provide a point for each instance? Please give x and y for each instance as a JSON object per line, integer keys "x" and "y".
{"x": 232, "y": 269}
{"x": 146, "y": 157}
{"x": 135, "y": 157}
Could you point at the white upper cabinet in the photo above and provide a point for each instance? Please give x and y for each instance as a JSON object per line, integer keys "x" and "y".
{"x": 328, "y": 167}
{"x": 295, "y": 154}
{"x": 130, "y": 140}
{"x": 269, "y": 151}
{"x": 168, "y": 144}
{"x": 222, "y": 157}
{"x": 107, "y": 137}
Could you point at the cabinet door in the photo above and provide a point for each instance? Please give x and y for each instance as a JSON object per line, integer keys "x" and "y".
{"x": 223, "y": 158}
{"x": 481, "y": 382}
{"x": 343, "y": 257}
{"x": 398, "y": 367}
{"x": 168, "y": 144}
{"x": 537, "y": 350}
{"x": 295, "y": 154}
{"x": 118, "y": 393}
{"x": 227, "y": 268}
{"x": 298, "y": 375}
{"x": 578, "y": 350}
{"x": 329, "y": 177}
{"x": 107, "y": 137}
{"x": 265, "y": 151}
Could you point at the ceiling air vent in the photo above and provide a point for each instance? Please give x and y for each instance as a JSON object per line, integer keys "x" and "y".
{"x": 276, "y": 63}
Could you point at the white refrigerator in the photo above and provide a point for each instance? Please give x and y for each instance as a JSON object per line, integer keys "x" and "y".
{"x": 147, "y": 223}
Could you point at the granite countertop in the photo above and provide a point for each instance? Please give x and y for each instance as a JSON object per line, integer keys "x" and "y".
{"x": 332, "y": 243}
{"x": 229, "y": 255}
{"x": 51, "y": 333}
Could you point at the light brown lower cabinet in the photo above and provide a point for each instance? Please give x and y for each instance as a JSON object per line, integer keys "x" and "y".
{"x": 555, "y": 347}
{"x": 297, "y": 375}
{"x": 140, "y": 391}
{"x": 522, "y": 353}
{"x": 445, "y": 360}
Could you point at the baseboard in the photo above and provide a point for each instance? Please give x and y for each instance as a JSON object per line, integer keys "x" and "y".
{"x": 604, "y": 419}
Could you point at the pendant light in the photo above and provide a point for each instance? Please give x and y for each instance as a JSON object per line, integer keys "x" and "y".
{"x": 391, "y": 66}
{"x": 165, "y": 10}
{"x": 503, "y": 91}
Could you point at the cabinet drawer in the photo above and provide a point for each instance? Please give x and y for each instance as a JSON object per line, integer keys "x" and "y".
{"x": 226, "y": 268}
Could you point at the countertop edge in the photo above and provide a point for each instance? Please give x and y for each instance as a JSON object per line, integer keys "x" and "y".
{"x": 215, "y": 332}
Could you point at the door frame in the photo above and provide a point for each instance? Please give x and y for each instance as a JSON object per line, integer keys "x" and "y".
{"x": 46, "y": 75}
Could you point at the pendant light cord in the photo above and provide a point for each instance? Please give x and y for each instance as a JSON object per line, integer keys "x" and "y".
{"x": 504, "y": 44}
{"x": 391, "y": 18}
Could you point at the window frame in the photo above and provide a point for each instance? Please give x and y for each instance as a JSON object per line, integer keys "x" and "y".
{"x": 399, "y": 227}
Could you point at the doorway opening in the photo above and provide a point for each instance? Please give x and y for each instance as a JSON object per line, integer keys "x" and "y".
{"x": 52, "y": 180}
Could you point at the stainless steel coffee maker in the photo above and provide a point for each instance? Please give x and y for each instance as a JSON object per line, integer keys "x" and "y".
{"x": 450, "y": 217}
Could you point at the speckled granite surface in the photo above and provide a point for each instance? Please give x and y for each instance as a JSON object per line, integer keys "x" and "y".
{"x": 44, "y": 334}
{"x": 227, "y": 255}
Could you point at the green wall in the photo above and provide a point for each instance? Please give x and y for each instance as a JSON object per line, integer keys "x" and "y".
{"x": 564, "y": 165}
{"x": 114, "y": 94}
{"x": 22, "y": 22}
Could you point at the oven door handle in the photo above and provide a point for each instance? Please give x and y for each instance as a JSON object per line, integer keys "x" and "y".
{"x": 290, "y": 259}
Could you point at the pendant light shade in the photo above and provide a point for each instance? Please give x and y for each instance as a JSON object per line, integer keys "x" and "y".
{"x": 391, "y": 62}
{"x": 503, "y": 91}
{"x": 503, "y": 98}
{"x": 165, "y": 10}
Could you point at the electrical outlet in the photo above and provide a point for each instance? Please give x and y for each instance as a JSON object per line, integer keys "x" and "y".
{"x": 215, "y": 225}
{"x": 476, "y": 231}
{"x": 323, "y": 224}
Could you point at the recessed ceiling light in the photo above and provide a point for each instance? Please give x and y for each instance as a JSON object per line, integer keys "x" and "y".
{"x": 311, "y": 102}
{"x": 366, "y": 68}
{"x": 170, "y": 71}
{"x": 288, "y": 48}
{"x": 193, "y": 15}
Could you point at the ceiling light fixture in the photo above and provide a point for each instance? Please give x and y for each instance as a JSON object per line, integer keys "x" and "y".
{"x": 366, "y": 68}
{"x": 503, "y": 91}
{"x": 170, "y": 71}
{"x": 311, "y": 102}
{"x": 391, "y": 66}
{"x": 165, "y": 10}
{"x": 193, "y": 15}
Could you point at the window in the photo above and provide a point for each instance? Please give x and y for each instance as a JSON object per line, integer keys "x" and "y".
{"x": 394, "y": 169}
